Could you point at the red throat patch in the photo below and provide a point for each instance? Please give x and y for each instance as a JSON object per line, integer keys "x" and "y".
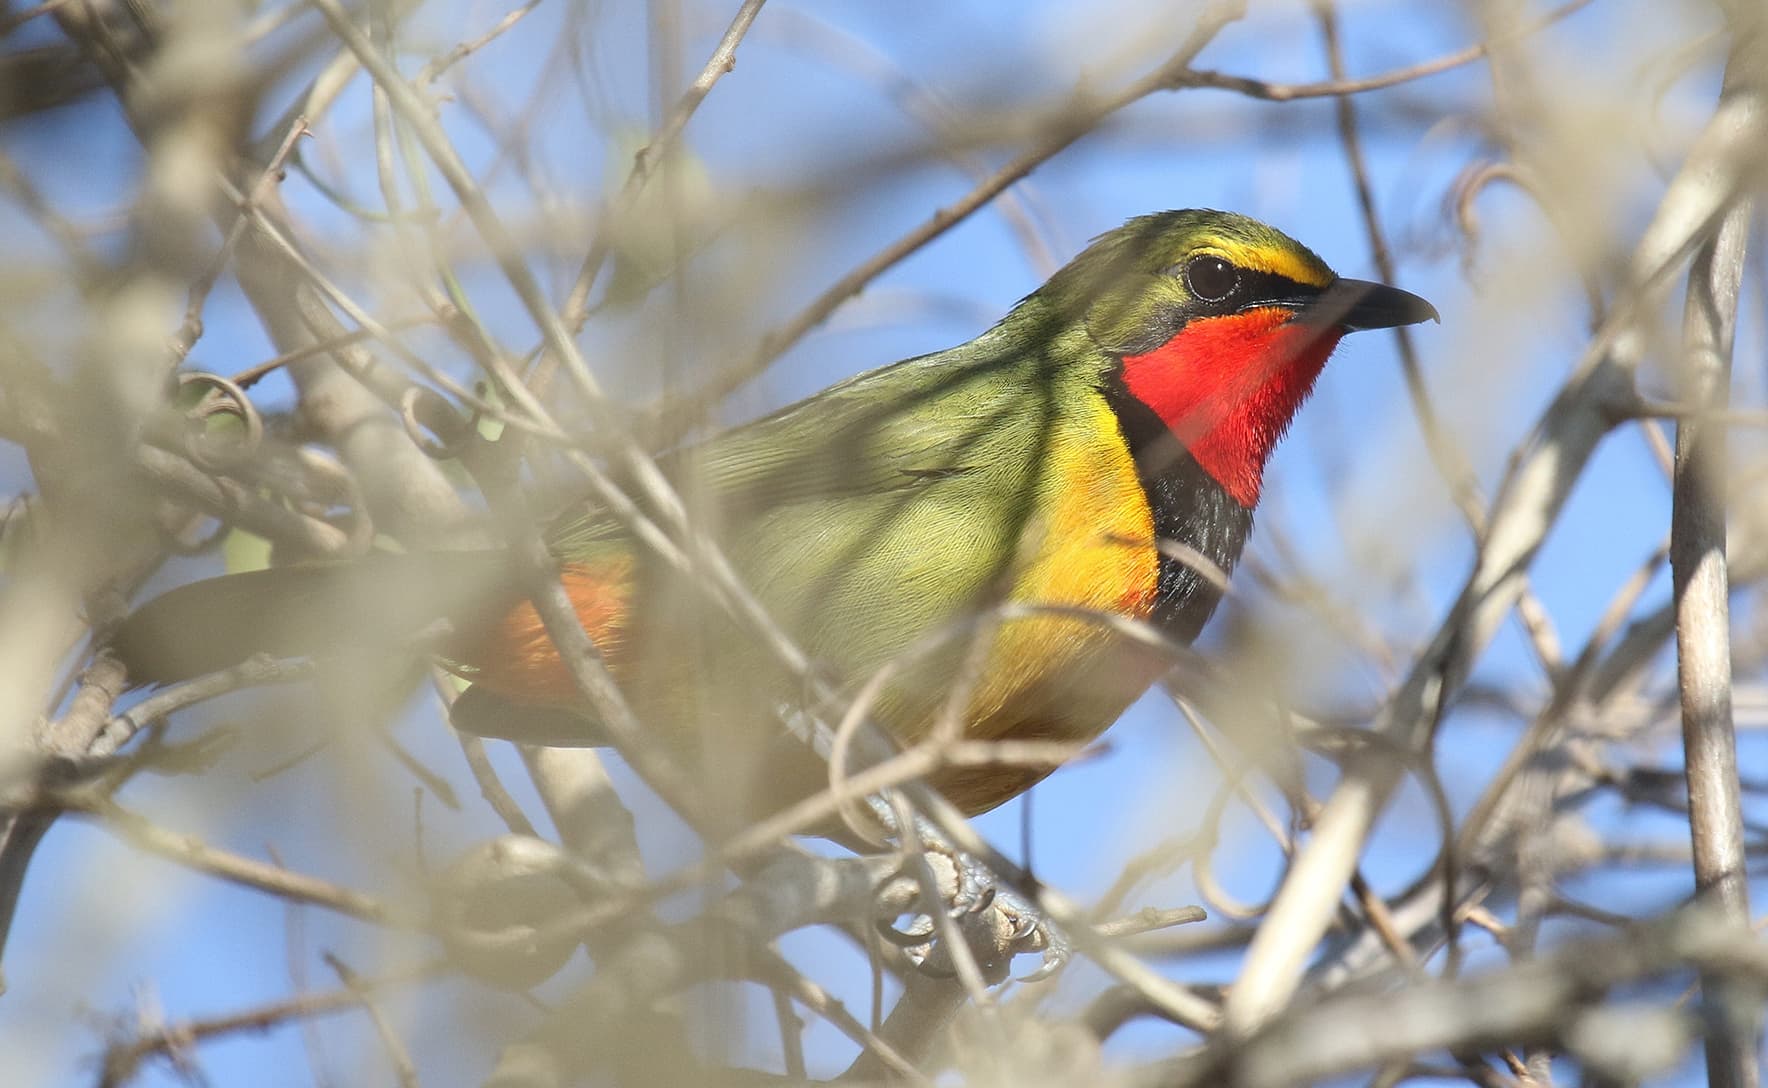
{"x": 1228, "y": 387}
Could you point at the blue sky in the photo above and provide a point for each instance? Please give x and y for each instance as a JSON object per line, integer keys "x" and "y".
{"x": 1350, "y": 490}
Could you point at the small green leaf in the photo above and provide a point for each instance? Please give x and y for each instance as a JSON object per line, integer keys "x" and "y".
{"x": 243, "y": 551}
{"x": 491, "y": 429}
{"x": 670, "y": 216}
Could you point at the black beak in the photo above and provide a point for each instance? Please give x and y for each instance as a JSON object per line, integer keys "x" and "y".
{"x": 1359, "y": 304}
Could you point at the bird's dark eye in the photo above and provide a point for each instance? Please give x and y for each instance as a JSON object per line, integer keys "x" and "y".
{"x": 1211, "y": 279}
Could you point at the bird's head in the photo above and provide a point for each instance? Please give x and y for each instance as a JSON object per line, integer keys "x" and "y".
{"x": 1217, "y": 325}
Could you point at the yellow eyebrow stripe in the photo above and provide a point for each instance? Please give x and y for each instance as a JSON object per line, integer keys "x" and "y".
{"x": 1280, "y": 262}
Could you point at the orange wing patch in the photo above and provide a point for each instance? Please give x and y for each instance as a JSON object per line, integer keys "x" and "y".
{"x": 518, "y": 660}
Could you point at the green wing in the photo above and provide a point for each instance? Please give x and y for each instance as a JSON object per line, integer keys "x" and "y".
{"x": 888, "y": 504}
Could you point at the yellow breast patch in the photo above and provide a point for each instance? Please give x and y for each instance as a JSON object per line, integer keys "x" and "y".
{"x": 1051, "y": 676}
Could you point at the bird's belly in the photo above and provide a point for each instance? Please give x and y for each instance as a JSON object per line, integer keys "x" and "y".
{"x": 1053, "y": 683}
{"x": 1060, "y": 669}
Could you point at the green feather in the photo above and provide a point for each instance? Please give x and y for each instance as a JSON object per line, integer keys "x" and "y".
{"x": 893, "y": 502}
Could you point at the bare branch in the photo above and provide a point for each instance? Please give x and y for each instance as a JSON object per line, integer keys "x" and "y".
{"x": 1703, "y": 629}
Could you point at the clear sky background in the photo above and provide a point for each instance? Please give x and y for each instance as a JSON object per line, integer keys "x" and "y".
{"x": 1350, "y": 495}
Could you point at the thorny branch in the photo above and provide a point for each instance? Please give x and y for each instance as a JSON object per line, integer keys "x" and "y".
{"x": 1528, "y": 503}
{"x": 100, "y": 514}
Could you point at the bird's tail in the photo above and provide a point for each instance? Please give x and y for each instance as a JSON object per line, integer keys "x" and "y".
{"x": 378, "y": 601}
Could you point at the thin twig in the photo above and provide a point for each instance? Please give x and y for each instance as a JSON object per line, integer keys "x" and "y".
{"x": 1082, "y": 117}
{"x": 256, "y": 671}
{"x": 404, "y": 1070}
{"x": 121, "y": 1060}
{"x": 1448, "y": 458}
{"x": 193, "y": 853}
{"x": 1339, "y": 86}
{"x": 644, "y": 162}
